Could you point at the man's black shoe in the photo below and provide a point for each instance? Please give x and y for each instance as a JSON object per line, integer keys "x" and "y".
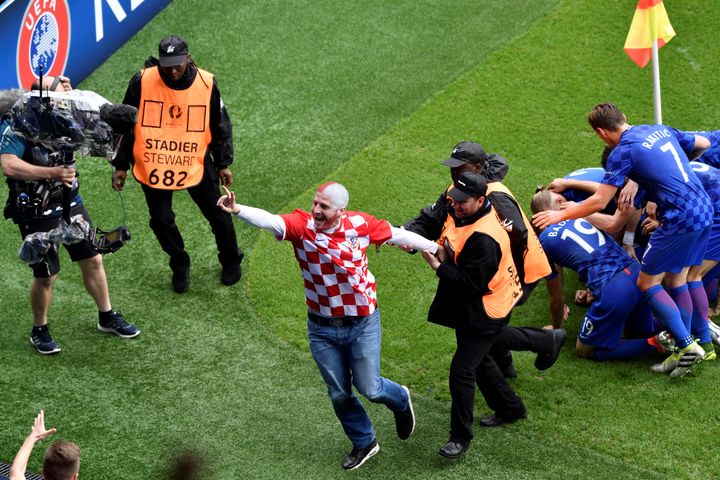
{"x": 181, "y": 280}
{"x": 495, "y": 421}
{"x": 453, "y": 449}
{"x": 230, "y": 274}
{"x": 543, "y": 361}
{"x": 405, "y": 420}
{"x": 358, "y": 456}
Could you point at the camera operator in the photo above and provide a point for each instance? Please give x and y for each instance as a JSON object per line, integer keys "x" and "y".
{"x": 37, "y": 176}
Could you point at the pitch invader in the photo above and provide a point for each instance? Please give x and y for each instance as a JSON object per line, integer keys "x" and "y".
{"x": 656, "y": 158}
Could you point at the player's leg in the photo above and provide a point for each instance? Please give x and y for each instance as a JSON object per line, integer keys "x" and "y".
{"x": 602, "y": 329}
{"x": 700, "y": 320}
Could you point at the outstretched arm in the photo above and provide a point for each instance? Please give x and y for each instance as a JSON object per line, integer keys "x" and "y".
{"x": 38, "y": 432}
{"x": 256, "y": 217}
{"x": 594, "y": 203}
{"x": 559, "y": 185}
{"x": 416, "y": 242}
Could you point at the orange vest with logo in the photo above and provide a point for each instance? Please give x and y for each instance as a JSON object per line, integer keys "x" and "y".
{"x": 172, "y": 132}
{"x": 504, "y": 288}
{"x": 535, "y": 262}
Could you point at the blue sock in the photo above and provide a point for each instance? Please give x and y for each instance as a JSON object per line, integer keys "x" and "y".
{"x": 667, "y": 313}
{"x": 681, "y": 297}
{"x": 625, "y": 349}
{"x": 700, "y": 328}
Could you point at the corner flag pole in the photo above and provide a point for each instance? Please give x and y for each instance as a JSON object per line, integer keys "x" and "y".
{"x": 657, "y": 102}
{"x": 649, "y": 31}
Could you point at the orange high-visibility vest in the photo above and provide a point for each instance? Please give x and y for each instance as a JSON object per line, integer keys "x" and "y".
{"x": 504, "y": 288}
{"x": 172, "y": 132}
{"x": 535, "y": 261}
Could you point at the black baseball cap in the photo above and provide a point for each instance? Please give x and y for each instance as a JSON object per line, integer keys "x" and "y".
{"x": 466, "y": 152}
{"x": 468, "y": 185}
{"x": 173, "y": 51}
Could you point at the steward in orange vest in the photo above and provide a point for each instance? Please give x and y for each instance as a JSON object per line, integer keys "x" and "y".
{"x": 484, "y": 284}
{"x": 182, "y": 141}
{"x": 477, "y": 289}
{"x": 531, "y": 262}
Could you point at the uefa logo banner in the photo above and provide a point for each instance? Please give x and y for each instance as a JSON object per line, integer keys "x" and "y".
{"x": 66, "y": 37}
{"x": 43, "y": 40}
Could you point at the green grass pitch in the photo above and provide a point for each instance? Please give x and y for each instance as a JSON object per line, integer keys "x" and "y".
{"x": 372, "y": 94}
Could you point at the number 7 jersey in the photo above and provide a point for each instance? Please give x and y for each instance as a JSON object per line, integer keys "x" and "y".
{"x": 579, "y": 246}
{"x": 655, "y": 156}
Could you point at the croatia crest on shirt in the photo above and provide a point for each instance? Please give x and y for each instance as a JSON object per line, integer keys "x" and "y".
{"x": 334, "y": 263}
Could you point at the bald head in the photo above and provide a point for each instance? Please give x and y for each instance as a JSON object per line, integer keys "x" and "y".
{"x": 335, "y": 193}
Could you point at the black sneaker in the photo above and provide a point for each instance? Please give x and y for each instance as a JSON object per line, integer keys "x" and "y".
{"x": 41, "y": 339}
{"x": 405, "y": 420}
{"x": 117, "y": 325}
{"x": 230, "y": 274}
{"x": 181, "y": 280}
{"x": 358, "y": 456}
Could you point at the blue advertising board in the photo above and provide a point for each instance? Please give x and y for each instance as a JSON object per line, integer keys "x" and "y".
{"x": 65, "y": 37}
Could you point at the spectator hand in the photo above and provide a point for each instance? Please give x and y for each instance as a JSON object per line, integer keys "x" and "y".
{"x": 39, "y": 432}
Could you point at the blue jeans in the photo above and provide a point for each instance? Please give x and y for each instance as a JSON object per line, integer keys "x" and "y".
{"x": 349, "y": 356}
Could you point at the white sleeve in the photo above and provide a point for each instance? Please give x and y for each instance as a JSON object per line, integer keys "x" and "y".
{"x": 404, "y": 237}
{"x": 258, "y": 217}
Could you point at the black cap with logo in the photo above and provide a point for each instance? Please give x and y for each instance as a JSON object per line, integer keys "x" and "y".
{"x": 468, "y": 185}
{"x": 173, "y": 51}
{"x": 466, "y": 152}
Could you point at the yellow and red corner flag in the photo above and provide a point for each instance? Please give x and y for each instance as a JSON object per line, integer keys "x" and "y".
{"x": 650, "y": 23}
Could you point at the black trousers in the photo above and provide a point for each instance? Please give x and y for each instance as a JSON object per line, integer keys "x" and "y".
{"x": 473, "y": 364}
{"x": 205, "y": 195}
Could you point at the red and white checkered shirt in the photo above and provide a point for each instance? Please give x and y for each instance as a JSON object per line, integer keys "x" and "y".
{"x": 334, "y": 265}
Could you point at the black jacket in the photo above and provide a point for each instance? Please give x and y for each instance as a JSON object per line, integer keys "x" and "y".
{"x": 429, "y": 223}
{"x": 220, "y": 149}
{"x": 458, "y": 299}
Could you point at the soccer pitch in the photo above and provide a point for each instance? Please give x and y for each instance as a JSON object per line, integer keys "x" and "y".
{"x": 372, "y": 94}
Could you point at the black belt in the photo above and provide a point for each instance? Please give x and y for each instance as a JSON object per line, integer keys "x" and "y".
{"x": 346, "y": 321}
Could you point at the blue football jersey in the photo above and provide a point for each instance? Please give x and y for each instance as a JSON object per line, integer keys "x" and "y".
{"x": 594, "y": 174}
{"x": 655, "y": 157}
{"x": 711, "y": 156}
{"x": 710, "y": 179}
{"x": 579, "y": 246}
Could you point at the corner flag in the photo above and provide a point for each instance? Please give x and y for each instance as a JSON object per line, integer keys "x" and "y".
{"x": 649, "y": 23}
